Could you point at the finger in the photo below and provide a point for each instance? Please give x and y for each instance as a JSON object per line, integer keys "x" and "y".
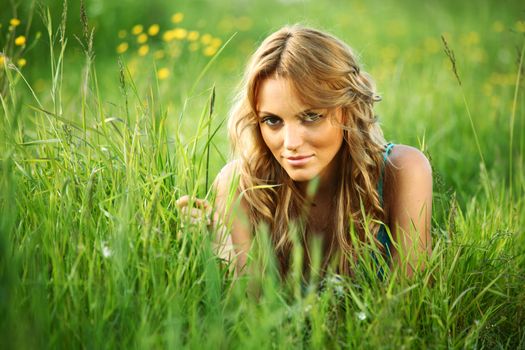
{"x": 196, "y": 202}
{"x": 201, "y": 203}
{"x": 192, "y": 212}
{"x": 200, "y": 220}
{"x": 195, "y": 214}
{"x": 182, "y": 201}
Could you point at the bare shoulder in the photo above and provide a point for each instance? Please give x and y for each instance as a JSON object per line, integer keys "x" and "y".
{"x": 408, "y": 199}
{"x": 407, "y": 171}
{"x": 227, "y": 173}
{"x": 408, "y": 162}
{"x": 226, "y": 179}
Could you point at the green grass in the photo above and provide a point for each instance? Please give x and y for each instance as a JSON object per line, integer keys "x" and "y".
{"x": 94, "y": 153}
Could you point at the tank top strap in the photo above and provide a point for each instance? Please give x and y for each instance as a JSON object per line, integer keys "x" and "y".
{"x": 382, "y": 235}
{"x": 386, "y": 153}
{"x": 388, "y": 150}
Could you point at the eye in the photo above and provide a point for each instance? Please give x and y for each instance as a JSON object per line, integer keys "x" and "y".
{"x": 271, "y": 120}
{"x": 311, "y": 117}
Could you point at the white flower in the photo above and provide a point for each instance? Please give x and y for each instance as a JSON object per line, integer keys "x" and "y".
{"x": 106, "y": 251}
{"x": 308, "y": 308}
{"x": 361, "y": 316}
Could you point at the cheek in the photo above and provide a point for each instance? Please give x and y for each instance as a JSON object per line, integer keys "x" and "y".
{"x": 271, "y": 139}
{"x": 331, "y": 140}
{"x": 339, "y": 136}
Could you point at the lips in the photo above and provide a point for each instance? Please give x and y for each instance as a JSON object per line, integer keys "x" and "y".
{"x": 298, "y": 161}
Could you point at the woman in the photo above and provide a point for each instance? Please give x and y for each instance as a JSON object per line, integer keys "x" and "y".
{"x": 309, "y": 153}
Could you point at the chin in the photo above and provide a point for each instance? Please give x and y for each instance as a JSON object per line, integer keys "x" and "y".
{"x": 300, "y": 176}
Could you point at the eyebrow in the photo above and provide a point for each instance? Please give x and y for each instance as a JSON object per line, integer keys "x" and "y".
{"x": 306, "y": 111}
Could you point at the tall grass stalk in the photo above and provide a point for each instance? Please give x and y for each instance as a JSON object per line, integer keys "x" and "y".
{"x": 450, "y": 54}
{"x": 512, "y": 123}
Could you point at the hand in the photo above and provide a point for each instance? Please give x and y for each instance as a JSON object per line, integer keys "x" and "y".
{"x": 200, "y": 210}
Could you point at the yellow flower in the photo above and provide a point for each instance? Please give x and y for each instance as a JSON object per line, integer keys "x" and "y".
{"x": 20, "y": 40}
{"x": 163, "y": 73}
{"x": 2, "y": 60}
{"x": 137, "y": 29}
{"x": 153, "y": 29}
{"x": 520, "y": 26}
{"x": 179, "y": 33}
{"x": 177, "y": 17}
{"x": 498, "y": 27}
{"x": 143, "y": 50}
{"x": 122, "y": 34}
{"x": 167, "y": 36}
{"x": 122, "y": 47}
{"x": 216, "y": 42}
{"x": 21, "y": 62}
{"x": 206, "y": 39}
{"x": 210, "y": 51}
{"x": 142, "y": 38}
{"x": 193, "y": 35}
{"x": 14, "y": 22}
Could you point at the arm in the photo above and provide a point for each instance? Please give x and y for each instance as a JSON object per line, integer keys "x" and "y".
{"x": 408, "y": 199}
{"x": 233, "y": 237}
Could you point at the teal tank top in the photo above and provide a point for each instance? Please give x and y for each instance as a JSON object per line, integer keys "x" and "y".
{"x": 382, "y": 234}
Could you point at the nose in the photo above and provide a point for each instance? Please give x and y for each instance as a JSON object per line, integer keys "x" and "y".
{"x": 292, "y": 137}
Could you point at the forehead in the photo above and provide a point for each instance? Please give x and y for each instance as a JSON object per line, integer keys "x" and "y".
{"x": 277, "y": 94}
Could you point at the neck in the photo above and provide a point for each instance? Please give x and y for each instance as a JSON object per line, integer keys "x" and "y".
{"x": 317, "y": 189}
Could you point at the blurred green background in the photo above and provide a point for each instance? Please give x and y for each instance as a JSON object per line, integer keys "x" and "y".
{"x": 399, "y": 43}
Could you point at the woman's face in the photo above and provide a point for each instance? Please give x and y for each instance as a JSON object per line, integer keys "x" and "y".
{"x": 304, "y": 141}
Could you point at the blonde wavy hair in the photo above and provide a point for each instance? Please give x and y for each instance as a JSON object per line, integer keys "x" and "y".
{"x": 325, "y": 74}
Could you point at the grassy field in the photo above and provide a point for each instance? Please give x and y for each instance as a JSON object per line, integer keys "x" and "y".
{"x": 107, "y": 117}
